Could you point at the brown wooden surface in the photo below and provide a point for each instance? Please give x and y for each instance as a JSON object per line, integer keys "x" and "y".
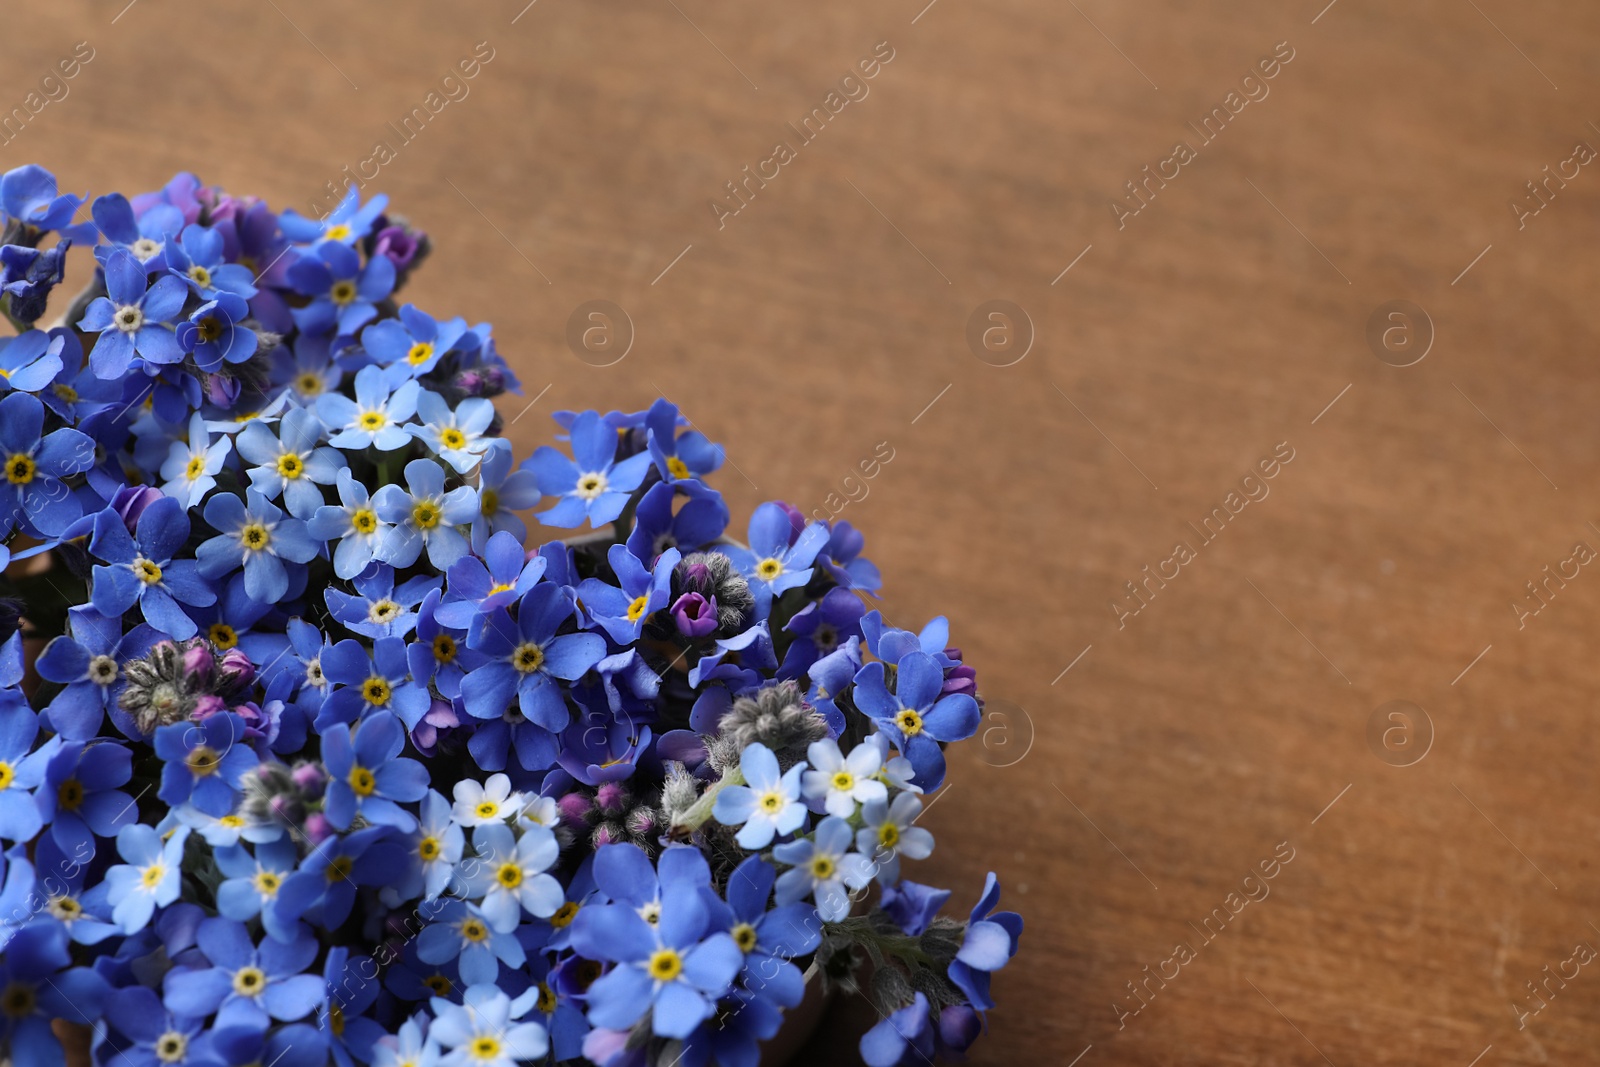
{"x": 1233, "y": 710}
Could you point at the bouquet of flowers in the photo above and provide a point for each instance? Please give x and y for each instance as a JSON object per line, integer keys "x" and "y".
{"x": 322, "y": 764}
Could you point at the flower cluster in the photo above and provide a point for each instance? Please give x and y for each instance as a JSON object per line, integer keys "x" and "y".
{"x": 324, "y": 764}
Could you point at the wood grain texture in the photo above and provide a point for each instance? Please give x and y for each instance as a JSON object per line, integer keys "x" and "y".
{"x": 1180, "y": 751}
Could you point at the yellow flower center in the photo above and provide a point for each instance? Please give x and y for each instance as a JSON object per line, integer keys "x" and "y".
{"x": 509, "y": 875}
{"x": 7, "y": 774}
{"x": 70, "y": 794}
{"x": 438, "y": 984}
{"x": 65, "y": 393}
{"x": 419, "y": 354}
{"x": 153, "y": 875}
{"x": 425, "y": 515}
{"x": 429, "y": 848}
{"x": 909, "y": 721}
{"x": 636, "y": 609}
{"x": 364, "y": 521}
{"x": 362, "y": 781}
{"x": 677, "y": 467}
{"x": 340, "y": 869}
{"x": 822, "y": 867}
{"x": 769, "y": 569}
{"x": 249, "y": 981}
{"x": 485, "y": 1047}
{"x": 487, "y": 809}
{"x": 290, "y": 466}
{"x": 382, "y": 611}
{"x": 772, "y": 803}
{"x": 591, "y": 486}
{"x": 343, "y": 291}
{"x": 744, "y": 935}
{"x": 337, "y": 232}
{"x": 232, "y": 822}
{"x": 444, "y": 648}
{"x": 372, "y": 420}
{"x": 665, "y": 965}
{"x": 223, "y": 636}
{"x": 64, "y": 908}
{"x": 377, "y": 691}
{"x": 203, "y": 760}
{"x": 527, "y": 658}
{"x": 199, "y": 275}
{"x": 488, "y": 502}
{"x": 195, "y": 467}
{"x": 451, "y": 437}
{"x": 149, "y": 571}
{"x": 255, "y": 537}
{"x": 308, "y": 384}
{"x": 266, "y": 883}
{"x": 844, "y": 781}
{"x": 888, "y": 835}
{"x": 474, "y": 930}
{"x": 564, "y": 915}
{"x": 20, "y": 469}
{"x": 209, "y": 329}
{"x": 547, "y": 999}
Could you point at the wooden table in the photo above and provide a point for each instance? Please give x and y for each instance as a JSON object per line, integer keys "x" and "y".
{"x": 1164, "y": 756}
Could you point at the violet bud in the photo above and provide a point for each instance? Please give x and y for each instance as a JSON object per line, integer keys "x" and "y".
{"x": 238, "y": 667}
{"x": 198, "y": 660}
{"x": 318, "y": 828}
{"x": 695, "y": 615}
{"x": 575, "y": 808}
{"x": 310, "y": 779}
{"x": 797, "y": 520}
{"x": 613, "y": 798}
{"x": 399, "y": 244}
{"x": 207, "y": 705}
{"x": 959, "y": 1027}
{"x": 131, "y": 500}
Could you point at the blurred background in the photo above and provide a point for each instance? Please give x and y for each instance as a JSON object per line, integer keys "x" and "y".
{"x": 1234, "y": 363}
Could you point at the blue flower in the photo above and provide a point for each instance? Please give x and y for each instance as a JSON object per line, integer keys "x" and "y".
{"x": 368, "y": 685}
{"x": 772, "y": 564}
{"x": 76, "y": 391}
{"x": 362, "y": 535}
{"x": 252, "y": 882}
{"x": 990, "y": 941}
{"x": 143, "y": 236}
{"x": 454, "y": 435}
{"x": 768, "y": 938}
{"x": 912, "y": 906}
{"x": 507, "y": 877}
{"x": 141, "y": 569}
{"x": 916, "y": 716}
{"x": 427, "y": 516}
{"x": 845, "y": 564}
{"x": 246, "y": 985}
{"x": 150, "y": 878}
{"x": 329, "y": 876}
{"x": 436, "y": 848}
{"x": 88, "y": 664}
{"x": 375, "y": 418}
{"x": 28, "y": 194}
{"x": 289, "y": 464}
{"x": 40, "y": 986}
{"x": 310, "y": 372}
{"x": 410, "y": 1047}
{"x": 27, "y": 276}
{"x": 412, "y": 343}
{"x": 57, "y": 891}
{"x": 253, "y": 533}
{"x": 347, "y": 223}
{"x": 676, "y": 967}
{"x": 344, "y": 294}
{"x": 905, "y": 1029}
{"x": 822, "y": 867}
{"x": 150, "y": 1036}
{"x": 131, "y": 319}
{"x": 527, "y": 658}
{"x": 459, "y": 931}
{"x": 213, "y": 333}
{"x": 80, "y": 799}
{"x": 477, "y": 587}
{"x": 888, "y": 834}
{"x": 656, "y": 528}
{"x": 769, "y": 805}
{"x": 380, "y": 610}
{"x": 592, "y": 485}
{"x": 501, "y": 493}
{"x": 31, "y": 361}
{"x": 678, "y": 458}
{"x": 204, "y": 763}
{"x": 197, "y": 258}
{"x": 483, "y": 1033}
{"x": 21, "y": 769}
{"x": 192, "y": 464}
{"x": 438, "y": 654}
{"x": 820, "y": 628}
{"x": 352, "y": 988}
{"x": 367, "y": 776}
{"x": 35, "y": 465}
{"x": 623, "y": 609}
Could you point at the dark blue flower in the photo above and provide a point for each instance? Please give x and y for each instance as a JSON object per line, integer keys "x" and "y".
{"x": 592, "y": 485}
{"x": 679, "y": 457}
{"x": 439, "y": 653}
{"x": 246, "y": 985}
{"x": 344, "y": 294}
{"x": 777, "y": 559}
{"x": 905, "y": 1030}
{"x": 27, "y": 275}
{"x": 414, "y": 343}
{"x": 328, "y": 878}
{"x": 80, "y": 799}
{"x": 916, "y": 716}
{"x": 35, "y": 465}
{"x": 29, "y": 195}
{"x": 88, "y": 664}
{"x": 368, "y": 777}
{"x": 380, "y": 610}
{"x": 258, "y": 537}
{"x": 21, "y": 769}
{"x": 141, "y": 569}
{"x": 214, "y": 333}
{"x": 768, "y": 938}
{"x": 144, "y": 236}
{"x": 989, "y": 943}
{"x": 459, "y": 931}
{"x": 204, "y": 763}
{"x": 527, "y": 658}
{"x": 368, "y": 684}
{"x": 912, "y": 906}
{"x": 820, "y": 628}
{"x": 197, "y": 258}
{"x": 623, "y": 609}
{"x": 476, "y": 587}
{"x": 698, "y": 523}
{"x": 132, "y": 319}
{"x": 40, "y": 986}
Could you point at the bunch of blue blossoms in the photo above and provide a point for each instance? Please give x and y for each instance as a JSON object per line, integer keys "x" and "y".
{"x": 323, "y": 765}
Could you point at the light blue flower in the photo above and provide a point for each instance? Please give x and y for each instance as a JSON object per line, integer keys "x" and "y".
{"x": 821, "y": 867}
{"x": 427, "y": 516}
{"x": 362, "y": 535}
{"x": 150, "y": 878}
{"x": 454, "y": 435}
{"x": 768, "y": 806}
{"x": 193, "y": 464}
{"x": 375, "y": 418}
{"x": 289, "y": 464}
{"x": 254, "y": 534}
{"x": 482, "y": 1033}
{"x": 502, "y": 492}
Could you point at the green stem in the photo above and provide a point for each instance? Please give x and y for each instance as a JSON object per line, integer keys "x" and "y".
{"x": 697, "y": 815}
